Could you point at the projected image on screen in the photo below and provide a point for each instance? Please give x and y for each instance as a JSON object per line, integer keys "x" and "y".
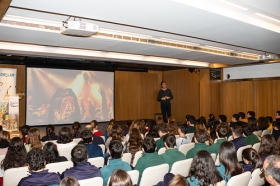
{"x": 59, "y": 96}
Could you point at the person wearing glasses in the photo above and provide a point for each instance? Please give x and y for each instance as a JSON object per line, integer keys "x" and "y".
{"x": 271, "y": 169}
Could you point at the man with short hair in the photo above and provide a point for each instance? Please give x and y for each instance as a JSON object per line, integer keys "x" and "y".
{"x": 222, "y": 118}
{"x": 234, "y": 120}
{"x": 277, "y": 116}
{"x": 271, "y": 169}
{"x": 82, "y": 169}
{"x": 164, "y": 97}
{"x": 93, "y": 149}
{"x": 191, "y": 124}
{"x": 242, "y": 117}
{"x": 96, "y": 139}
{"x": 149, "y": 157}
{"x": 276, "y": 129}
{"x": 115, "y": 162}
{"x": 36, "y": 165}
{"x": 183, "y": 139}
{"x": 162, "y": 130}
{"x": 251, "y": 114}
{"x": 171, "y": 154}
{"x": 237, "y": 141}
{"x": 221, "y": 133}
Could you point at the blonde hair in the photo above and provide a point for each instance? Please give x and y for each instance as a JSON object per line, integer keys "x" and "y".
{"x": 109, "y": 129}
{"x": 34, "y": 138}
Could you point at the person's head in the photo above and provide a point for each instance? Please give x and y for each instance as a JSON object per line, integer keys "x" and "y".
{"x": 36, "y": 160}
{"x": 135, "y": 141}
{"x": 171, "y": 118}
{"x": 172, "y": 128}
{"x": 251, "y": 114}
{"x": 159, "y": 120}
{"x": 128, "y": 123}
{"x": 276, "y": 125}
{"x": 200, "y": 125}
{"x": 222, "y": 130}
{"x": 120, "y": 178}
{"x": 271, "y": 168}
{"x": 162, "y": 129}
{"x": 237, "y": 132}
{"x": 24, "y": 130}
{"x": 267, "y": 145}
{"x": 269, "y": 119}
{"x": 149, "y": 145}
{"x": 79, "y": 154}
{"x": 75, "y": 128}
{"x": 241, "y": 115}
{"x": 222, "y": 118}
{"x": 253, "y": 122}
{"x": 34, "y": 138}
{"x": 247, "y": 130}
{"x": 203, "y": 168}
{"x": 178, "y": 180}
{"x": 201, "y": 136}
{"x": 213, "y": 128}
{"x": 69, "y": 181}
{"x": 169, "y": 141}
{"x": 191, "y": 120}
{"x": 262, "y": 123}
{"x": 16, "y": 154}
{"x": 251, "y": 156}
{"x": 182, "y": 128}
{"x": 86, "y": 135}
{"x": 187, "y": 117}
{"x": 228, "y": 158}
{"x": 277, "y": 115}
{"x": 64, "y": 135}
{"x": 163, "y": 85}
{"x": 117, "y": 132}
{"x": 202, "y": 120}
{"x": 235, "y": 118}
{"x": 50, "y": 152}
{"x": 49, "y": 130}
{"x": 211, "y": 117}
{"x": 4, "y": 135}
{"x": 115, "y": 149}
{"x": 94, "y": 124}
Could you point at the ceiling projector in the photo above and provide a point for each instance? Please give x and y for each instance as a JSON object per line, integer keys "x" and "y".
{"x": 78, "y": 28}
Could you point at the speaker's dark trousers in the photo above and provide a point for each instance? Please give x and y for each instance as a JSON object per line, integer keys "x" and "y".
{"x": 165, "y": 110}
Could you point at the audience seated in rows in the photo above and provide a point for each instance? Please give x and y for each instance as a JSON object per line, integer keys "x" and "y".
{"x": 267, "y": 146}
{"x": 96, "y": 139}
{"x": 242, "y": 117}
{"x": 38, "y": 175}
{"x": 183, "y": 139}
{"x": 276, "y": 129}
{"x": 271, "y": 169}
{"x": 33, "y": 139}
{"x": 238, "y": 140}
{"x": 4, "y": 142}
{"x": 172, "y": 128}
{"x": 251, "y": 114}
{"x": 115, "y": 134}
{"x": 134, "y": 143}
{"x": 82, "y": 169}
{"x": 221, "y": 132}
{"x": 76, "y": 130}
{"x": 93, "y": 149}
{"x": 65, "y": 139}
{"x": 191, "y": 122}
{"x": 250, "y": 137}
{"x": 213, "y": 130}
{"x": 51, "y": 153}
{"x": 50, "y": 134}
{"x": 115, "y": 162}
{"x": 270, "y": 122}
{"x": 251, "y": 159}
{"x": 153, "y": 130}
{"x": 262, "y": 123}
{"x": 222, "y": 118}
{"x": 162, "y": 130}
{"x": 94, "y": 125}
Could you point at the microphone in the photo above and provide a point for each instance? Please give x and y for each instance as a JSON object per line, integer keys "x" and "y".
{"x": 6, "y": 97}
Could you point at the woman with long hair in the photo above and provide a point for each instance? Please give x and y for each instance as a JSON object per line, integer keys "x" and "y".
{"x": 203, "y": 171}
{"x": 267, "y": 146}
{"x": 213, "y": 130}
{"x": 229, "y": 165}
{"x": 135, "y": 142}
{"x": 253, "y": 122}
{"x": 153, "y": 130}
{"x": 33, "y": 139}
{"x": 24, "y": 132}
{"x": 51, "y": 153}
{"x": 116, "y": 134}
{"x": 251, "y": 159}
{"x": 64, "y": 139}
{"x": 172, "y": 128}
{"x": 50, "y": 135}
{"x": 76, "y": 130}
{"x": 94, "y": 125}
{"x": 120, "y": 178}
{"x": 4, "y": 142}
{"x": 16, "y": 155}
{"x": 262, "y": 123}
{"x": 107, "y": 133}
{"x": 178, "y": 180}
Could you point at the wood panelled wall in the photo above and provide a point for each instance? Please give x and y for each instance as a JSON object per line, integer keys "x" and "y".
{"x": 21, "y": 83}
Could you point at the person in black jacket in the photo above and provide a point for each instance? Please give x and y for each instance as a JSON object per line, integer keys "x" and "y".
{"x": 164, "y": 97}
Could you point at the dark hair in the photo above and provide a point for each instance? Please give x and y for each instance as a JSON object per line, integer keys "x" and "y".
{"x": 1, "y": 128}
{"x": 117, "y": 132}
{"x": 201, "y": 135}
{"x": 162, "y": 127}
{"x": 49, "y": 130}
{"x": 79, "y": 154}
{"x": 120, "y": 178}
{"x": 75, "y": 129}
{"x": 203, "y": 168}
{"x": 36, "y": 159}
{"x": 116, "y": 149}
{"x": 267, "y": 145}
{"x": 211, "y": 117}
{"x": 149, "y": 145}
{"x": 202, "y": 119}
{"x": 273, "y": 168}
{"x": 276, "y": 124}
{"x": 172, "y": 127}
{"x": 69, "y": 181}
{"x": 135, "y": 142}
{"x": 238, "y": 131}
{"x": 223, "y": 118}
{"x": 247, "y": 130}
{"x": 213, "y": 134}
{"x": 16, "y": 154}
{"x": 192, "y": 119}
{"x": 64, "y": 135}
{"x": 228, "y": 158}
{"x": 277, "y": 147}
{"x": 34, "y": 138}
{"x": 253, "y": 157}
{"x": 153, "y": 130}
{"x": 170, "y": 140}
{"x": 222, "y": 130}
{"x": 86, "y": 135}
{"x": 94, "y": 123}
{"x": 269, "y": 119}
{"x": 262, "y": 123}
{"x": 236, "y": 117}
{"x": 182, "y": 126}
{"x": 24, "y": 130}
{"x": 51, "y": 152}
{"x": 242, "y": 115}
{"x": 162, "y": 83}
{"x": 251, "y": 113}
{"x": 278, "y": 112}
{"x": 253, "y": 122}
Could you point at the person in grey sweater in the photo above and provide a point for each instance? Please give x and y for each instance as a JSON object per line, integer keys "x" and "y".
{"x": 164, "y": 97}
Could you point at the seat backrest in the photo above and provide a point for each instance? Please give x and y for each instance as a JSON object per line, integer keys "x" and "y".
{"x": 217, "y": 162}
{"x": 66, "y": 152}
{"x": 103, "y": 137}
{"x": 186, "y": 147}
{"x": 240, "y": 180}
{"x": 2, "y": 157}
{"x": 134, "y": 176}
{"x": 161, "y": 150}
{"x": 136, "y": 158}
{"x": 257, "y": 178}
{"x": 150, "y": 178}
{"x": 177, "y": 136}
{"x": 240, "y": 150}
{"x": 77, "y": 140}
{"x": 156, "y": 139}
{"x": 102, "y": 147}
{"x": 213, "y": 156}
{"x": 256, "y": 146}
{"x": 266, "y": 132}
{"x": 13, "y": 176}
{"x": 221, "y": 183}
{"x": 190, "y": 135}
{"x": 97, "y": 162}
{"x": 97, "y": 181}
{"x": 258, "y": 133}
{"x": 59, "y": 166}
{"x": 181, "y": 167}
{"x": 127, "y": 157}
{"x": 230, "y": 138}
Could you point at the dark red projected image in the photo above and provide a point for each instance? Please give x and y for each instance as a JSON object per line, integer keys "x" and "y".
{"x": 59, "y": 96}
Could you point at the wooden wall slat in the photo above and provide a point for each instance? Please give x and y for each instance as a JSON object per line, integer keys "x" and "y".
{"x": 215, "y": 98}
{"x": 205, "y": 92}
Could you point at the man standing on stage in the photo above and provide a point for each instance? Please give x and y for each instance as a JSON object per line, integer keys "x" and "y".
{"x": 164, "y": 97}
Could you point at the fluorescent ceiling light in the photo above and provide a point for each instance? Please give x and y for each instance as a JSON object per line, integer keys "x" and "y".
{"x": 249, "y": 54}
{"x": 234, "y": 5}
{"x": 267, "y": 17}
{"x": 109, "y": 31}
{"x": 218, "y": 48}
{"x": 178, "y": 41}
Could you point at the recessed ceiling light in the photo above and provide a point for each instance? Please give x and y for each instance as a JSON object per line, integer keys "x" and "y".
{"x": 267, "y": 17}
{"x": 178, "y": 41}
{"x": 249, "y": 54}
{"x": 234, "y": 5}
{"x": 229, "y": 50}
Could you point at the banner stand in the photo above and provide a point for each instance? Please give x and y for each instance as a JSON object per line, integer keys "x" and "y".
{"x": 11, "y": 118}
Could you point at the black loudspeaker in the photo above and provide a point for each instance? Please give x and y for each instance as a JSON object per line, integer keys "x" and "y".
{"x": 191, "y": 70}
{"x": 228, "y": 76}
